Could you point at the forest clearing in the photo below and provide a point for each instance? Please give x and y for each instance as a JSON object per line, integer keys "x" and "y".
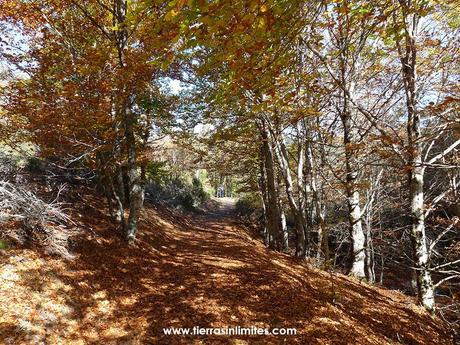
{"x": 229, "y": 172}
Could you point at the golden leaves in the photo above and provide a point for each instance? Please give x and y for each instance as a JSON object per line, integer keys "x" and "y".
{"x": 171, "y": 14}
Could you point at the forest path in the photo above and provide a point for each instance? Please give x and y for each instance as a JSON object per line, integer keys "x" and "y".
{"x": 202, "y": 270}
{"x": 222, "y": 207}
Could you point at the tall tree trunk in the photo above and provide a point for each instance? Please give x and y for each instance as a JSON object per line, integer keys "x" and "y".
{"x": 136, "y": 185}
{"x": 264, "y": 197}
{"x": 319, "y": 209}
{"x": 371, "y": 198}
{"x": 117, "y": 189}
{"x": 370, "y": 272}
{"x": 319, "y": 199}
{"x": 419, "y": 245}
{"x": 323, "y": 235}
{"x": 273, "y": 211}
{"x": 353, "y": 197}
{"x": 128, "y": 118}
{"x": 351, "y": 161}
{"x": 408, "y": 56}
{"x": 284, "y": 233}
{"x": 282, "y": 157}
{"x": 304, "y": 175}
{"x": 283, "y": 240}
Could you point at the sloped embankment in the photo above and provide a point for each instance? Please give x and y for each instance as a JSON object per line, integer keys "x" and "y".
{"x": 187, "y": 271}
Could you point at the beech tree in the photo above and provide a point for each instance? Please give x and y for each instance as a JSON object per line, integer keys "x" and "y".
{"x": 93, "y": 73}
{"x": 407, "y": 18}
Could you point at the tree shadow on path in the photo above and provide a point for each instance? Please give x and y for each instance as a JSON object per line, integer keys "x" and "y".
{"x": 208, "y": 271}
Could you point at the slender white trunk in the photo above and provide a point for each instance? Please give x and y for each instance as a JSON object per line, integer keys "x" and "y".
{"x": 136, "y": 187}
{"x": 370, "y": 272}
{"x": 351, "y": 162}
{"x": 264, "y": 197}
{"x": 354, "y": 209}
{"x": 420, "y": 248}
{"x": 284, "y": 233}
{"x": 357, "y": 235}
{"x": 272, "y": 205}
{"x": 407, "y": 50}
{"x": 282, "y": 157}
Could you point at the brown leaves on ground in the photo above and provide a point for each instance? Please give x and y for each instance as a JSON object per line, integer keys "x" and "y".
{"x": 187, "y": 271}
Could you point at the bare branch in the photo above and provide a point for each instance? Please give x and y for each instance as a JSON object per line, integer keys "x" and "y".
{"x": 445, "y": 152}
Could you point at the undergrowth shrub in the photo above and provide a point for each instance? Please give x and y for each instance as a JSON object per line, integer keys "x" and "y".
{"x": 35, "y": 165}
{"x": 249, "y": 206}
{"x": 177, "y": 192}
{"x": 8, "y": 166}
{"x": 26, "y": 218}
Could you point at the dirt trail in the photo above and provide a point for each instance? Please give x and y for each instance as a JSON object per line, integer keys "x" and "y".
{"x": 225, "y": 207}
{"x": 185, "y": 271}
